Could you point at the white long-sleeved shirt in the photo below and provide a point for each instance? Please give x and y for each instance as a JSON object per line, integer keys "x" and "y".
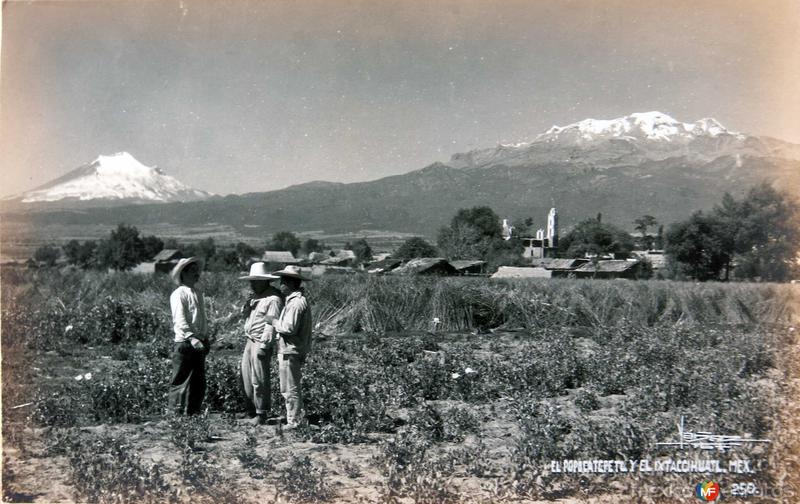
{"x": 256, "y": 327}
{"x": 188, "y": 314}
{"x": 294, "y": 325}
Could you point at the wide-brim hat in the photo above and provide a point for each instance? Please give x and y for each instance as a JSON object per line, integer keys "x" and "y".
{"x": 258, "y": 271}
{"x": 292, "y": 271}
{"x": 182, "y": 264}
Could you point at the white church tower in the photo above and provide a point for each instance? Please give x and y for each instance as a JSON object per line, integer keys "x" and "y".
{"x": 508, "y": 230}
{"x": 552, "y": 228}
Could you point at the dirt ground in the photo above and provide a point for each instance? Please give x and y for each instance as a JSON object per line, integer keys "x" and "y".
{"x": 352, "y": 470}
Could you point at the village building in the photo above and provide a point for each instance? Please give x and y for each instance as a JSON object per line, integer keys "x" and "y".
{"x": 469, "y": 267}
{"x": 164, "y": 261}
{"x": 318, "y": 270}
{"x": 383, "y": 266}
{"x": 340, "y": 258}
{"x": 614, "y": 268}
{"x": 560, "y": 267}
{"x": 425, "y": 266}
{"x": 278, "y": 259}
{"x": 522, "y": 272}
{"x": 656, "y": 258}
{"x": 545, "y": 243}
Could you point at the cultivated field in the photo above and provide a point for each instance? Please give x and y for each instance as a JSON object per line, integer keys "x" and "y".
{"x": 402, "y": 408}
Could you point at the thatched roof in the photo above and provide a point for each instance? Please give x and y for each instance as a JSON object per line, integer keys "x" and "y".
{"x": 464, "y": 264}
{"x": 522, "y": 272}
{"x": 553, "y": 263}
{"x": 656, "y": 257}
{"x": 319, "y": 270}
{"x": 279, "y": 256}
{"x": 610, "y": 266}
{"x": 332, "y": 256}
{"x": 384, "y": 265}
{"x": 317, "y": 256}
{"x": 339, "y": 260}
{"x": 345, "y": 254}
{"x": 425, "y": 266}
{"x": 167, "y": 255}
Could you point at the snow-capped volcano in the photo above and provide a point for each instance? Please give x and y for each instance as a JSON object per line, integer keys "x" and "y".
{"x": 654, "y": 126}
{"x": 627, "y": 141}
{"x": 118, "y": 177}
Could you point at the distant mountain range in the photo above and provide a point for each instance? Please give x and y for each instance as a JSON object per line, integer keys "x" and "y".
{"x": 628, "y": 141}
{"x": 645, "y": 163}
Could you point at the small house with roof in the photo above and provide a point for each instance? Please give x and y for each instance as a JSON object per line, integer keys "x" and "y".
{"x": 469, "y": 267}
{"x": 522, "y": 272}
{"x": 164, "y": 261}
{"x": 615, "y": 268}
{"x": 277, "y": 259}
{"x": 425, "y": 266}
{"x": 558, "y": 267}
{"x": 656, "y": 258}
{"x": 383, "y": 266}
{"x": 340, "y": 258}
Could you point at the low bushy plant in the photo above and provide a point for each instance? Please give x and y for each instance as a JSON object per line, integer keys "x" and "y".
{"x": 302, "y": 481}
{"x": 106, "y": 470}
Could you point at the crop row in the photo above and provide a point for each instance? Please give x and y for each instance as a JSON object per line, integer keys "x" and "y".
{"x": 57, "y": 310}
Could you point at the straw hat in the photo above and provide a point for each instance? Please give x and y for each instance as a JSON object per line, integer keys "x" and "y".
{"x": 292, "y": 271}
{"x": 182, "y": 264}
{"x": 258, "y": 271}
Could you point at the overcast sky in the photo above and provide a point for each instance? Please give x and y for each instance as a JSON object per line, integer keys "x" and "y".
{"x": 236, "y": 96}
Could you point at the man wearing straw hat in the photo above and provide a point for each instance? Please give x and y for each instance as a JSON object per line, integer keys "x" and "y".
{"x": 294, "y": 341}
{"x": 188, "y": 386}
{"x": 266, "y": 303}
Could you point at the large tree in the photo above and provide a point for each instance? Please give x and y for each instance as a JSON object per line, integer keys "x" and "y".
{"x": 47, "y": 255}
{"x": 642, "y": 224}
{"x": 362, "y": 250}
{"x": 311, "y": 245}
{"x": 81, "y": 254}
{"x": 765, "y": 234}
{"x": 473, "y": 234}
{"x": 697, "y": 248}
{"x": 152, "y": 245}
{"x": 415, "y": 247}
{"x": 593, "y": 237}
{"x": 758, "y": 234}
{"x": 284, "y": 240}
{"x": 123, "y": 250}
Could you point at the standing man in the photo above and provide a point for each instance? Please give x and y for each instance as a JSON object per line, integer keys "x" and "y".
{"x": 265, "y": 304}
{"x": 188, "y": 386}
{"x": 294, "y": 341}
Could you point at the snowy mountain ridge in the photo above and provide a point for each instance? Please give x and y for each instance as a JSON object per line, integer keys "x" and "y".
{"x": 626, "y": 141}
{"x": 641, "y": 125}
{"x": 118, "y": 177}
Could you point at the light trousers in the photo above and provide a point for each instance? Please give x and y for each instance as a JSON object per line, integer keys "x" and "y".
{"x": 290, "y": 374}
{"x": 255, "y": 376}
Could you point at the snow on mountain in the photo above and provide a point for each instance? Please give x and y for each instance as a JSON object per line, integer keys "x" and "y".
{"x": 116, "y": 177}
{"x": 654, "y": 126}
{"x": 629, "y": 140}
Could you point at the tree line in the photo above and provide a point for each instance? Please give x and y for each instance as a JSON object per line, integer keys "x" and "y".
{"x": 755, "y": 238}
{"x": 125, "y": 248}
